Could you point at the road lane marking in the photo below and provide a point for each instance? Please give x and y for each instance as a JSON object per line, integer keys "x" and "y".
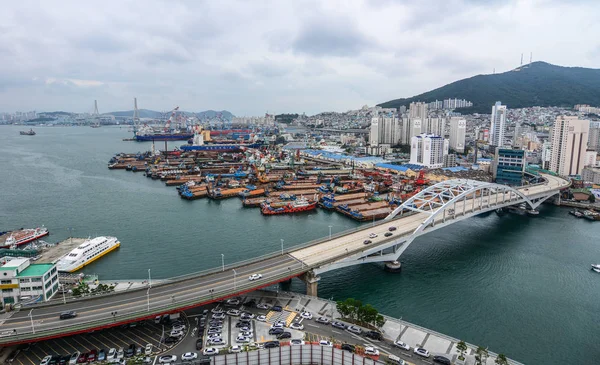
{"x": 66, "y": 343}
{"x": 27, "y": 357}
{"x": 102, "y": 339}
{"x": 117, "y": 339}
{"x": 334, "y": 331}
{"x": 64, "y": 349}
{"x": 312, "y": 325}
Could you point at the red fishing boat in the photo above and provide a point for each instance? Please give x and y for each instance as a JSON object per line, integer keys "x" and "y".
{"x": 296, "y": 206}
{"x": 24, "y": 236}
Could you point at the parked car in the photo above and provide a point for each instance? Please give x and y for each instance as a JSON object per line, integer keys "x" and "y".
{"x": 169, "y": 340}
{"x": 120, "y": 353}
{"x": 325, "y": 343}
{"x": 271, "y": 344}
{"x": 369, "y": 350}
{"x": 101, "y": 355}
{"x": 232, "y": 302}
{"x": 73, "y": 359}
{"x": 296, "y": 342}
{"x": 64, "y": 360}
{"x": 233, "y": 312}
{"x": 219, "y": 315}
{"x": 148, "y": 349}
{"x": 80, "y": 360}
{"x": 68, "y": 314}
{"x": 217, "y": 310}
{"x": 178, "y": 327}
{"x": 254, "y": 277}
{"x": 166, "y": 359}
{"x": 216, "y": 341}
{"x": 210, "y": 351}
{"x": 323, "y": 320}
{"x": 348, "y": 347}
{"x": 284, "y": 335}
{"x": 130, "y": 350}
{"x": 354, "y": 329}
{"x": 276, "y": 308}
{"x": 339, "y": 325}
{"x": 441, "y": 360}
{"x": 261, "y": 318}
{"x": 189, "y": 356}
{"x": 374, "y": 335}
{"x": 242, "y": 339}
{"x": 306, "y": 315}
{"x": 297, "y": 326}
{"x": 46, "y": 360}
{"x": 421, "y": 352}
{"x": 246, "y": 315}
{"x": 402, "y": 345}
{"x": 199, "y": 344}
{"x": 92, "y": 355}
{"x": 112, "y": 354}
{"x": 235, "y": 349}
{"x": 276, "y": 331}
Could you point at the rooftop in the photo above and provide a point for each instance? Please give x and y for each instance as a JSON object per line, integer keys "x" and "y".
{"x": 35, "y": 270}
{"x": 14, "y": 263}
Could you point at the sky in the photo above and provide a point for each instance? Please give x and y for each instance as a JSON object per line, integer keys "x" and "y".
{"x": 254, "y": 57}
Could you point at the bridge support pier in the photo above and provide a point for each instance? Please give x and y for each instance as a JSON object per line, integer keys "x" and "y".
{"x": 393, "y": 266}
{"x": 312, "y": 282}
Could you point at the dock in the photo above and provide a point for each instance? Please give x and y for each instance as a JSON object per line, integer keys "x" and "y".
{"x": 55, "y": 252}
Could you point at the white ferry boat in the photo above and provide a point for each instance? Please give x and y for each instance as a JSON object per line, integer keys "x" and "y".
{"x": 86, "y": 253}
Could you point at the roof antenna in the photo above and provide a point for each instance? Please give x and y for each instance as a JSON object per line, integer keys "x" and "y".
{"x": 530, "y": 57}
{"x": 521, "y": 60}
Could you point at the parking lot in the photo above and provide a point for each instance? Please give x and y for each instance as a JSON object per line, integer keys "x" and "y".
{"x": 140, "y": 334}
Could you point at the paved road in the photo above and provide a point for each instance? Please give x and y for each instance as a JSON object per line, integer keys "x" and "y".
{"x": 129, "y": 306}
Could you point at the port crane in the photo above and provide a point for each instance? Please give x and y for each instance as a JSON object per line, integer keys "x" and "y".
{"x": 171, "y": 118}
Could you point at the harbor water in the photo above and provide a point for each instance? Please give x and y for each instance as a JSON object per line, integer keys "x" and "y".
{"x": 518, "y": 285}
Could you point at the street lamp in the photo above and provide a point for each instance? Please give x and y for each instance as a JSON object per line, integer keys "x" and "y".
{"x": 148, "y": 298}
{"x": 330, "y": 232}
{"x": 234, "y": 274}
{"x": 71, "y": 234}
{"x": 149, "y": 279}
{"x": 223, "y": 261}
{"x": 282, "y": 246}
{"x": 114, "y": 314}
{"x": 31, "y": 317}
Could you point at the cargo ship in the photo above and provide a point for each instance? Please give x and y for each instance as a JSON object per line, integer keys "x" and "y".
{"x": 147, "y": 133}
{"x": 296, "y": 206}
{"x": 23, "y": 236}
{"x": 86, "y": 253}
{"x": 198, "y": 145}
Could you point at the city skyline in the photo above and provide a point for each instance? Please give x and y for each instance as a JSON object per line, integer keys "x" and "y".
{"x": 271, "y": 57}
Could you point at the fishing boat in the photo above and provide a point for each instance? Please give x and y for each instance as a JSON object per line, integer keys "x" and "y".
{"x": 23, "y": 236}
{"x": 299, "y": 205}
{"x": 30, "y": 132}
{"x": 576, "y": 213}
{"x": 86, "y": 253}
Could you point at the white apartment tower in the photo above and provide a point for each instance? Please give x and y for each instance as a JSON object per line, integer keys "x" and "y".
{"x": 498, "y": 125}
{"x": 428, "y": 150}
{"x": 417, "y": 110}
{"x": 384, "y": 130}
{"x": 458, "y": 127}
{"x": 434, "y": 125}
{"x": 569, "y": 144}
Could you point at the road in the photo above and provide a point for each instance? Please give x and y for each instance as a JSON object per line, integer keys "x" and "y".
{"x": 123, "y": 307}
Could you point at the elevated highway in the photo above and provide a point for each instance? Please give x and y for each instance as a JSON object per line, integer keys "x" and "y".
{"x": 433, "y": 208}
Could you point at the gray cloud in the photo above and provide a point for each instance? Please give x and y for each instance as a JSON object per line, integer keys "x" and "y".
{"x": 276, "y": 56}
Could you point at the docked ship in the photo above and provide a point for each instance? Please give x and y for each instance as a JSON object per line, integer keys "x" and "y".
{"x": 296, "y": 206}
{"x": 86, "y": 253}
{"x": 199, "y": 145}
{"x": 147, "y": 133}
{"x": 23, "y": 236}
{"x": 30, "y": 132}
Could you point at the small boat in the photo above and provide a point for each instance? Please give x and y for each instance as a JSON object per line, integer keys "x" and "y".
{"x": 30, "y": 132}
{"x": 596, "y": 267}
{"x": 24, "y": 236}
{"x": 296, "y": 206}
{"x": 576, "y": 213}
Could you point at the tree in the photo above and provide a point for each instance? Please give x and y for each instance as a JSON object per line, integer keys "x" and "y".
{"x": 592, "y": 198}
{"x": 481, "y": 355}
{"x": 343, "y": 309}
{"x": 379, "y": 321}
{"x": 501, "y": 360}
{"x": 461, "y": 347}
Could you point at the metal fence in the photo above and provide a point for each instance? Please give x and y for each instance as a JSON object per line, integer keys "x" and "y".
{"x": 297, "y": 355}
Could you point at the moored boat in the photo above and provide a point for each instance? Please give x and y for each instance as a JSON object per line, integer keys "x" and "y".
{"x": 86, "y": 253}
{"x": 296, "y": 206}
{"x": 23, "y": 236}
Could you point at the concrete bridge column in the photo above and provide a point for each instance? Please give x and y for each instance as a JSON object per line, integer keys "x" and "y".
{"x": 312, "y": 282}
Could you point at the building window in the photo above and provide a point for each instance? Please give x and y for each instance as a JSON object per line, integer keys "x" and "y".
{"x": 4, "y": 282}
{"x": 24, "y": 280}
{"x": 36, "y": 280}
{"x": 7, "y": 291}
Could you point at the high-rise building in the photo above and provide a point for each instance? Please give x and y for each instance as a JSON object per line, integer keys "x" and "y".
{"x": 569, "y": 144}
{"x": 384, "y": 130}
{"x": 417, "y": 110}
{"x": 498, "y": 125}
{"x": 410, "y": 128}
{"x": 458, "y": 127}
{"x": 594, "y": 136}
{"x": 509, "y": 166}
{"x": 428, "y": 150}
{"x": 434, "y": 125}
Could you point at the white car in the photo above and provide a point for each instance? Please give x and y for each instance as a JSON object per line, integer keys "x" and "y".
{"x": 215, "y": 335}
{"x": 354, "y": 329}
{"x": 373, "y": 235}
{"x": 246, "y": 315}
{"x": 112, "y": 354}
{"x": 277, "y": 325}
{"x": 246, "y": 333}
{"x": 297, "y": 326}
{"x": 402, "y": 345}
{"x": 176, "y": 333}
{"x": 189, "y": 356}
{"x": 232, "y": 301}
{"x": 421, "y": 352}
{"x": 371, "y": 351}
{"x": 179, "y": 327}
{"x": 148, "y": 349}
{"x": 210, "y": 351}
{"x": 261, "y": 318}
{"x": 120, "y": 353}
{"x": 323, "y": 320}
{"x": 242, "y": 339}
{"x": 46, "y": 360}
{"x": 217, "y": 310}
{"x": 215, "y": 341}
{"x": 263, "y": 306}
{"x": 233, "y": 312}
{"x": 296, "y": 342}
{"x": 254, "y": 277}
{"x": 306, "y": 315}
{"x": 325, "y": 343}
{"x": 235, "y": 349}
{"x": 255, "y": 346}
{"x": 165, "y": 359}
{"x": 219, "y": 315}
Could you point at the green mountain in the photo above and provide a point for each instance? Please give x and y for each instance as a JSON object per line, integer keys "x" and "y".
{"x": 536, "y": 84}
{"x": 145, "y": 113}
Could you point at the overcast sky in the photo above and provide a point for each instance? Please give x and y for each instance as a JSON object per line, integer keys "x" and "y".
{"x": 252, "y": 57}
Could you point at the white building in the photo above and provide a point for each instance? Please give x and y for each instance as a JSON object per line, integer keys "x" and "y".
{"x": 569, "y": 144}
{"x": 590, "y": 158}
{"x": 417, "y": 110}
{"x": 410, "y": 128}
{"x": 21, "y": 280}
{"x": 428, "y": 150}
{"x": 434, "y": 125}
{"x": 498, "y": 125}
{"x": 594, "y": 136}
{"x": 458, "y": 128}
{"x": 384, "y": 130}
{"x": 546, "y": 155}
